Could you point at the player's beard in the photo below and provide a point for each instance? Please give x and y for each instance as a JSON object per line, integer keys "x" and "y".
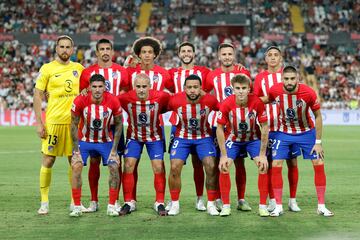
{"x": 105, "y": 58}
{"x": 64, "y": 57}
{"x": 226, "y": 64}
{"x": 193, "y": 97}
{"x": 188, "y": 62}
{"x": 290, "y": 88}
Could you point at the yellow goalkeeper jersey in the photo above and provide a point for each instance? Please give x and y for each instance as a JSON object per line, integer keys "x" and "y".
{"x": 62, "y": 83}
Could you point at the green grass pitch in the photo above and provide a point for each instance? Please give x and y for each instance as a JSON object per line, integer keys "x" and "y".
{"x": 19, "y": 199}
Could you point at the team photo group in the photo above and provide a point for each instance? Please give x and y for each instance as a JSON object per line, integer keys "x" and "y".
{"x": 219, "y": 116}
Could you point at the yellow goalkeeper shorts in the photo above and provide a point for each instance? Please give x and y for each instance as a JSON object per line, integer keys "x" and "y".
{"x": 58, "y": 141}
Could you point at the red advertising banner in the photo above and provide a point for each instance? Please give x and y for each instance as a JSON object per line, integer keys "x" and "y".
{"x": 9, "y": 118}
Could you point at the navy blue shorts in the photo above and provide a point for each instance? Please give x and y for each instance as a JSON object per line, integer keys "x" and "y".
{"x": 295, "y": 149}
{"x": 285, "y": 145}
{"x": 134, "y": 149}
{"x": 237, "y": 149}
{"x": 95, "y": 149}
{"x": 181, "y": 148}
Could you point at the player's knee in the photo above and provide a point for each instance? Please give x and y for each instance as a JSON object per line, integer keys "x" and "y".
{"x": 77, "y": 166}
{"x": 291, "y": 162}
{"x": 277, "y": 163}
{"x": 129, "y": 166}
{"x": 317, "y": 162}
{"x": 48, "y": 161}
{"x": 175, "y": 170}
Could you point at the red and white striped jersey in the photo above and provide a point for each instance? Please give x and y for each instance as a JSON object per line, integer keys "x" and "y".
{"x": 193, "y": 117}
{"x": 295, "y": 108}
{"x": 95, "y": 118}
{"x": 262, "y": 84}
{"x": 116, "y": 77}
{"x": 159, "y": 77}
{"x": 179, "y": 74}
{"x": 242, "y": 123}
{"x": 143, "y": 116}
{"x": 219, "y": 81}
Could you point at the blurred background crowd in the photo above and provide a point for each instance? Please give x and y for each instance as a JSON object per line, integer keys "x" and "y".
{"x": 332, "y": 70}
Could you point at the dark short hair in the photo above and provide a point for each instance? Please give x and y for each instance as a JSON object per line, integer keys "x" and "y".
{"x": 97, "y": 78}
{"x": 240, "y": 78}
{"x": 183, "y": 44}
{"x": 272, "y": 47}
{"x": 62, "y": 37}
{"x": 147, "y": 41}
{"x": 290, "y": 68}
{"x": 103, "y": 40}
{"x": 225, "y": 45}
{"x": 192, "y": 77}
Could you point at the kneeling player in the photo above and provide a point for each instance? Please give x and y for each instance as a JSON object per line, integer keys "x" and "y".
{"x": 144, "y": 107}
{"x": 94, "y": 112}
{"x": 240, "y": 114}
{"x": 193, "y": 133}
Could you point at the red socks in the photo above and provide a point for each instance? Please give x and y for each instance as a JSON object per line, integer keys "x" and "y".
{"x": 113, "y": 194}
{"x": 240, "y": 178}
{"x": 94, "y": 176}
{"x": 293, "y": 176}
{"x": 174, "y": 194}
{"x": 277, "y": 183}
{"x": 211, "y": 194}
{"x": 263, "y": 187}
{"x": 225, "y": 186}
{"x": 320, "y": 183}
{"x": 128, "y": 186}
{"x": 76, "y": 194}
{"x": 199, "y": 179}
{"x": 135, "y": 173}
{"x": 271, "y": 191}
{"x": 159, "y": 184}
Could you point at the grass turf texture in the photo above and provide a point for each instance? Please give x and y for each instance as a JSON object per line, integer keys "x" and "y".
{"x": 19, "y": 198}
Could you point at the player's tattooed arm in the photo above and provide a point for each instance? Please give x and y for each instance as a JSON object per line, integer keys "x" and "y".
{"x": 263, "y": 162}
{"x": 118, "y": 130}
{"x": 74, "y": 131}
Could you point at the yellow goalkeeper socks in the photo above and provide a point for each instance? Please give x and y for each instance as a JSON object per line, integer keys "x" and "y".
{"x": 45, "y": 179}
{"x": 70, "y": 181}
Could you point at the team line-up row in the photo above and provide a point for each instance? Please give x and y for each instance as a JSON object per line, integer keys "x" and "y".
{"x": 269, "y": 120}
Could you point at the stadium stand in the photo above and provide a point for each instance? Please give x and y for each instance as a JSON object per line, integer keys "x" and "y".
{"x": 333, "y": 70}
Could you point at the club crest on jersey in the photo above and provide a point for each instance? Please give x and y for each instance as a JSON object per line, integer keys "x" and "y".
{"x": 50, "y": 148}
{"x": 203, "y": 112}
{"x": 142, "y": 118}
{"x": 193, "y": 124}
{"x": 152, "y": 107}
{"x": 299, "y": 103}
{"x": 75, "y": 73}
{"x": 251, "y": 115}
{"x": 228, "y": 91}
{"x": 107, "y": 85}
{"x": 106, "y": 114}
{"x": 274, "y": 153}
{"x": 243, "y": 127}
{"x": 290, "y": 114}
{"x": 114, "y": 75}
{"x": 155, "y": 78}
{"x": 173, "y": 152}
{"x": 96, "y": 124}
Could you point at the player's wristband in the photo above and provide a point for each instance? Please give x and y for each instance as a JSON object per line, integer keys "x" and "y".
{"x": 318, "y": 141}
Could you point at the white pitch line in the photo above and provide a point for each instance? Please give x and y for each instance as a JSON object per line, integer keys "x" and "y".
{"x": 19, "y": 152}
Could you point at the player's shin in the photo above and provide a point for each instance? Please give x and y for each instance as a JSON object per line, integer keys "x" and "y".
{"x": 114, "y": 180}
{"x": 93, "y": 177}
{"x": 263, "y": 182}
{"x": 225, "y": 186}
{"x": 240, "y": 178}
{"x": 277, "y": 183}
{"x": 128, "y": 186}
{"x": 320, "y": 182}
{"x": 45, "y": 180}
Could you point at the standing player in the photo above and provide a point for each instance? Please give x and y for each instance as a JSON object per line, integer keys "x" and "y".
{"x": 193, "y": 133}
{"x": 240, "y": 115}
{"x": 218, "y": 81}
{"x": 116, "y": 81}
{"x": 186, "y": 53}
{"x": 144, "y": 107}
{"x": 60, "y": 78}
{"x": 297, "y": 128}
{"x": 94, "y": 112}
{"x": 263, "y": 82}
{"x": 147, "y": 49}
